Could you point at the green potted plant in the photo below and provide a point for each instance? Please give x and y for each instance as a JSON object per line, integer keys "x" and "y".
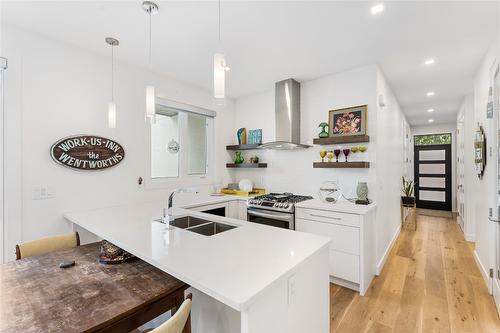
{"x": 408, "y": 187}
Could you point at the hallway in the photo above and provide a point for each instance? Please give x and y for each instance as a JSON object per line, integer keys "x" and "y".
{"x": 430, "y": 283}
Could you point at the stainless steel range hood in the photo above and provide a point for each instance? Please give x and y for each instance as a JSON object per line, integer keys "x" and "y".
{"x": 287, "y": 112}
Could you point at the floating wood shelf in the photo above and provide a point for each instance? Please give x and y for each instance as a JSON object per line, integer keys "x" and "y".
{"x": 355, "y": 164}
{"x": 341, "y": 139}
{"x": 243, "y": 147}
{"x": 246, "y": 165}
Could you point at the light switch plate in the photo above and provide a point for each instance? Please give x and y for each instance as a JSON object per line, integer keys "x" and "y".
{"x": 43, "y": 192}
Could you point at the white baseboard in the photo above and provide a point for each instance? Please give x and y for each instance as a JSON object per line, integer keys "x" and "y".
{"x": 484, "y": 272}
{"x": 381, "y": 263}
{"x": 344, "y": 283}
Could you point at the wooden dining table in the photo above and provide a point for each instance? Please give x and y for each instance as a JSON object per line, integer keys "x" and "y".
{"x": 38, "y": 296}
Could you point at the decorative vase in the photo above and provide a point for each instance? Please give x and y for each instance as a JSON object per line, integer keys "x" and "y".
{"x": 238, "y": 158}
{"x": 323, "y": 133}
{"x": 242, "y": 136}
{"x": 362, "y": 191}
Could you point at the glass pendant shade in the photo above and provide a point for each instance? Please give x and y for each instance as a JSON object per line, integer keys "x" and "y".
{"x": 150, "y": 103}
{"x": 112, "y": 115}
{"x": 219, "y": 75}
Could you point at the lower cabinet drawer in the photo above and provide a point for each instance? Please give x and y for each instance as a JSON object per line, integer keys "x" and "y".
{"x": 344, "y": 266}
{"x": 328, "y": 216}
{"x": 344, "y": 238}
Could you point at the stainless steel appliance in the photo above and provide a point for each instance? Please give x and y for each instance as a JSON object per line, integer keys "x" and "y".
{"x": 274, "y": 209}
{"x": 287, "y": 114}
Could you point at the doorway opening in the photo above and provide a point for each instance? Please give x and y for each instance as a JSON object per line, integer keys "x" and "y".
{"x": 432, "y": 171}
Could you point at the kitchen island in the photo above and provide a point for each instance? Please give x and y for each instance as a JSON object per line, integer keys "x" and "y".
{"x": 252, "y": 278}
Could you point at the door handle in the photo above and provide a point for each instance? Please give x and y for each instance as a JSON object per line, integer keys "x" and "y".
{"x": 327, "y": 217}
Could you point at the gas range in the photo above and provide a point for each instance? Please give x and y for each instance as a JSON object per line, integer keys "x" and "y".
{"x": 281, "y": 202}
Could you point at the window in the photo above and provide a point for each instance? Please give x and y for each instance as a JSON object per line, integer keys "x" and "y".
{"x": 181, "y": 140}
{"x": 433, "y": 139}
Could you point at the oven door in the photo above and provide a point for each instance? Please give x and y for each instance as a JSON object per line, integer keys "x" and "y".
{"x": 274, "y": 219}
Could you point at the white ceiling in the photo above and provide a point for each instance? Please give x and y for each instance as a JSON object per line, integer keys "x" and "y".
{"x": 266, "y": 41}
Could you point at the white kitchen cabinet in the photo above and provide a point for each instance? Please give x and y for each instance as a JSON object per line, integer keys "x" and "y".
{"x": 242, "y": 210}
{"x": 232, "y": 211}
{"x": 352, "y": 247}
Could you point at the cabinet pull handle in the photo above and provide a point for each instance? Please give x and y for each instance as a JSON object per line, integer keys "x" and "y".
{"x": 327, "y": 217}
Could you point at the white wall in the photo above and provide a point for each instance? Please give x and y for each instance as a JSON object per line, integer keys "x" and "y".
{"x": 390, "y": 167}
{"x": 481, "y": 193}
{"x": 355, "y": 87}
{"x": 292, "y": 171}
{"x": 54, "y": 90}
{"x": 438, "y": 129}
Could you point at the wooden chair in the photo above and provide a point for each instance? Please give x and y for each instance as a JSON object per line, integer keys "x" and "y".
{"x": 47, "y": 245}
{"x": 180, "y": 322}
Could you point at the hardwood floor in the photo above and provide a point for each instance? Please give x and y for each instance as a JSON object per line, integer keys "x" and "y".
{"x": 430, "y": 283}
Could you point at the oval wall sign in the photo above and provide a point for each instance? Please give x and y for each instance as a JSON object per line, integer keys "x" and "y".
{"x": 87, "y": 152}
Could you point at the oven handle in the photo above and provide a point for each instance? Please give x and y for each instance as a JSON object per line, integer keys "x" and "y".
{"x": 275, "y": 216}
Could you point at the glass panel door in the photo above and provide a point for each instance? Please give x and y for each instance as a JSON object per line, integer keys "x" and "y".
{"x": 433, "y": 172}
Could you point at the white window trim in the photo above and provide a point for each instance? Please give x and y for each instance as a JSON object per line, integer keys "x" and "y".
{"x": 184, "y": 179}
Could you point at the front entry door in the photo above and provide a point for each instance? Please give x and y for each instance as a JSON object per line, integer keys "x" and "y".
{"x": 433, "y": 176}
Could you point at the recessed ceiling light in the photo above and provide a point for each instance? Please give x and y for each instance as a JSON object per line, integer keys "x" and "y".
{"x": 430, "y": 94}
{"x": 377, "y": 9}
{"x": 431, "y": 120}
{"x": 430, "y": 110}
{"x": 429, "y": 62}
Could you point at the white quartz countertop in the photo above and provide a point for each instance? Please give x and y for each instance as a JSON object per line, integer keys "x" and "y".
{"x": 343, "y": 206}
{"x": 233, "y": 267}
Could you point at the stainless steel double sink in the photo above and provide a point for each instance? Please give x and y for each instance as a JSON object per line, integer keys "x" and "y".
{"x": 201, "y": 226}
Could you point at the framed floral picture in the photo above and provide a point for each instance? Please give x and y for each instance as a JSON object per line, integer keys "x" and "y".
{"x": 348, "y": 121}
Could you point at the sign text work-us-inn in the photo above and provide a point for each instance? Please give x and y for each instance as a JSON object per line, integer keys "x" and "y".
{"x": 87, "y": 152}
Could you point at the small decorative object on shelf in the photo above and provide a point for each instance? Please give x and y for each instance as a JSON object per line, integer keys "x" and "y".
{"x": 238, "y": 158}
{"x": 360, "y": 149}
{"x": 255, "y": 136}
{"x": 322, "y": 154}
{"x": 337, "y": 153}
{"x": 480, "y": 151}
{"x": 254, "y": 159}
{"x": 329, "y": 155}
{"x": 407, "y": 186}
{"x": 362, "y": 193}
{"x": 330, "y": 192}
{"x": 348, "y": 121}
{"x": 242, "y": 136}
{"x": 346, "y": 152}
{"x": 324, "y": 132}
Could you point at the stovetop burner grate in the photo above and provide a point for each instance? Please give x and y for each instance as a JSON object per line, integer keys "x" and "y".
{"x": 283, "y": 197}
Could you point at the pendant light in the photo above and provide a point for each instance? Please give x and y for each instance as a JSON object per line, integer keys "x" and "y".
{"x": 151, "y": 8}
{"x": 112, "y": 106}
{"x": 220, "y": 68}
